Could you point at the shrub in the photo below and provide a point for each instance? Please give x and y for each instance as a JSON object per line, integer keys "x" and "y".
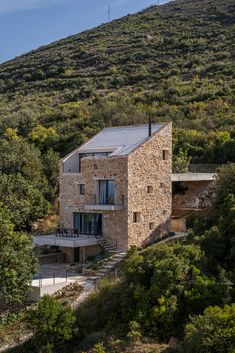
{"x": 135, "y": 331}
{"x": 99, "y": 348}
{"x": 52, "y": 324}
{"x": 214, "y": 331}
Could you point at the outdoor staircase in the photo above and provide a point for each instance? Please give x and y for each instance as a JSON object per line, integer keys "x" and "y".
{"x": 110, "y": 265}
{"x": 106, "y": 246}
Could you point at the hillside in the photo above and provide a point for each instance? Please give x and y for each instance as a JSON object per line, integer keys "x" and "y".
{"x": 178, "y": 58}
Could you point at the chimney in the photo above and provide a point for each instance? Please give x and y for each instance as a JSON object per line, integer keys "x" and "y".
{"x": 150, "y": 126}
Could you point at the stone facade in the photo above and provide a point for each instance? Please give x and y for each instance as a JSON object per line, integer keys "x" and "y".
{"x": 142, "y": 191}
{"x": 147, "y": 168}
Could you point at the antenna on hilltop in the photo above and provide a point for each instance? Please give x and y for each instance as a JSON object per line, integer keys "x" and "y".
{"x": 109, "y": 13}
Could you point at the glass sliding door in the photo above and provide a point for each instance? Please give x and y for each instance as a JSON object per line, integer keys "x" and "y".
{"x": 88, "y": 223}
{"x": 106, "y": 192}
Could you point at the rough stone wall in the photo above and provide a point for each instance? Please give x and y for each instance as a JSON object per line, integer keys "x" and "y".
{"x": 92, "y": 170}
{"x": 114, "y": 222}
{"x": 133, "y": 174}
{"x": 70, "y": 200}
{"x": 146, "y": 167}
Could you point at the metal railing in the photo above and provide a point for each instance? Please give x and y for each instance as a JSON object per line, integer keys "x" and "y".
{"x": 203, "y": 168}
{"x": 197, "y": 168}
{"x": 73, "y": 233}
{"x": 52, "y": 278}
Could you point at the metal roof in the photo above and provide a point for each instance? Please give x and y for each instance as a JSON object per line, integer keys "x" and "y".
{"x": 119, "y": 140}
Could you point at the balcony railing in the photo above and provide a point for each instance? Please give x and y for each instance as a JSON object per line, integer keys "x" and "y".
{"x": 93, "y": 204}
{"x": 73, "y": 233}
{"x": 203, "y": 168}
{"x": 198, "y": 168}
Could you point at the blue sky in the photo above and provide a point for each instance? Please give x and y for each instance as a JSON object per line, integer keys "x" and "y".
{"x": 28, "y": 24}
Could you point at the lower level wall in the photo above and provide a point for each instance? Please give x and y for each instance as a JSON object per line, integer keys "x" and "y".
{"x": 51, "y": 258}
{"x": 84, "y": 253}
{"x": 87, "y": 251}
{"x": 178, "y": 225}
{"x": 69, "y": 254}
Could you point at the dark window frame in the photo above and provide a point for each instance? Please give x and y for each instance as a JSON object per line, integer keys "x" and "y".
{"x": 165, "y": 155}
{"x": 82, "y": 190}
{"x": 136, "y": 217}
{"x": 109, "y": 198}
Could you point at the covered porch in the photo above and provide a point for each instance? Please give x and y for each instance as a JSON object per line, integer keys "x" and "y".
{"x": 76, "y": 247}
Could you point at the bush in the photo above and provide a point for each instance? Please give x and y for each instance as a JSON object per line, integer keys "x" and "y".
{"x": 99, "y": 348}
{"x": 214, "y": 331}
{"x": 52, "y": 324}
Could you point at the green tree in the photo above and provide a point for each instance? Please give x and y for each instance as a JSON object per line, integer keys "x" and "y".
{"x": 225, "y": 183}
{"x": 169, "y": 283}
{"x": 17, "y": 261}
{"x": 181, "y": 162}
{"x": 42, "y": 136}
{"x": 26, "y": 202}
{"x": 52, "y": 323}
{"x": 214, "y": 331}
{"x": 51, "y": 170}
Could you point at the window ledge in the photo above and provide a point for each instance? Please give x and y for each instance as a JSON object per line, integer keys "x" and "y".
{"x": 104, "y": 207}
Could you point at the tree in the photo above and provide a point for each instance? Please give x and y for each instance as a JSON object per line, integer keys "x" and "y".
{"x": 181, "y": 162}
{"x": 26, "y": 202}
{"x": 214, "y": 331}
{"x": 52, "y": 324}
{"x": 225, "y": 183}
{"x": 42, "y": 136}
{"x": 17, "y": 261}
{"x": 167, "y": 283}
{"x": 51, "y": 170}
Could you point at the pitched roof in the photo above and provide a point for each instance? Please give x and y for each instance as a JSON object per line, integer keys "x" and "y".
{"x": 120, "y": 140}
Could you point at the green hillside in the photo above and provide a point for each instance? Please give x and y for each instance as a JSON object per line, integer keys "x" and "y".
{"x": 175, "y": 61}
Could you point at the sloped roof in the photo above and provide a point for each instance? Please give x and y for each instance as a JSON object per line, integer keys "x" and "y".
{"x": 120, "y": 140}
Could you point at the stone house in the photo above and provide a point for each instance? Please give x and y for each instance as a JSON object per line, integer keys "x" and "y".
{"x": 116, "y": 190}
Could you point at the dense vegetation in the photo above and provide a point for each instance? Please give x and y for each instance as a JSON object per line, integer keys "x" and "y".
{"x": 174, "y": 62}
{"x": 183, "y": 291}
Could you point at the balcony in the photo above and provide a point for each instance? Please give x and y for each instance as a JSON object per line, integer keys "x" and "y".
{"x": 93, "y": 205}
{"x": 195, "y": 172}
{"x": 70, "y": 238}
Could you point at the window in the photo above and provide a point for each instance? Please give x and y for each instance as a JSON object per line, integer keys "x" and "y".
{"x": 151, "y": 226}
{"x": 164, "y": 212}
{"x": 165, "y": 155}
{"x": 95, "y": 154}
{"x": 123, "y": 200}
{"x": 136, "y": 217}
{"x": 150, "y": 189}
{"x": 88, "y": 223}
{"x": 106, "y": 192}
{"x": 161, "y": 185}
{"x": 82, "y": 189}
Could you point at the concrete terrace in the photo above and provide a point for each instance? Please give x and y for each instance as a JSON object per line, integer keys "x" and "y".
{"x": 193, "y": 176}
{"x": 69, "y": 242}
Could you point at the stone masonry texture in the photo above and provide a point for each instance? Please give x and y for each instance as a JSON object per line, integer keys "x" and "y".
{"x": 133, "y": 174}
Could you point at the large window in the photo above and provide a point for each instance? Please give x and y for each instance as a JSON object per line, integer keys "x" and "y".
{"x": 88, "y": 223}
{"x": 95, "y": 154}
{"x": 106, "y": 192}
